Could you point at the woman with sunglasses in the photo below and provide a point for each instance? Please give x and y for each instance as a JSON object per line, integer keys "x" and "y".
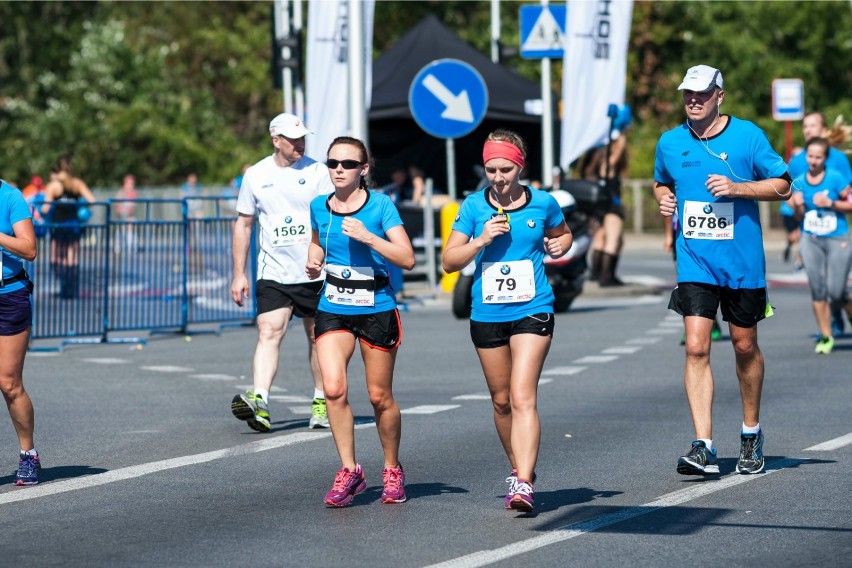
{"x": 508, "y": 228}
{"x": 356, "y": 234}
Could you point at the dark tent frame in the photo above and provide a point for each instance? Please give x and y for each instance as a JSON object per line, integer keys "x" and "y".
{"x": 397, "y": 141}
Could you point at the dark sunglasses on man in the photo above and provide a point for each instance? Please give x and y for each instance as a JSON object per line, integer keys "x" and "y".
{"x": 347, "y": 164}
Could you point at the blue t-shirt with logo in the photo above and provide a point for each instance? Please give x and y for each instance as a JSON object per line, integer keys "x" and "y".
{"x": 816, "y": 221}
{"x": 525, "y": 241}
{"x": 379, "y": 215}
{"x": 836, "y": 160}
{"x": 724, "y": 254}
{"x": 13, "y": 209}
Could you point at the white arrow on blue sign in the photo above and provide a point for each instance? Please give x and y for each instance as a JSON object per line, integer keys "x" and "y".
{"x": 448, "y": 98}
{"x": 543, "y": 31}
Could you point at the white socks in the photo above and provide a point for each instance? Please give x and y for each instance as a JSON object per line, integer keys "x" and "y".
{"x": 708, "y": 443}
{"x": 262, "y": 393}
{"x": 319, "y": 394}
{"x": 751, "y": 429}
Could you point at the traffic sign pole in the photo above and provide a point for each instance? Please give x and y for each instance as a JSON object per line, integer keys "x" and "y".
{"x": 788, "y": 140}
{"x": 451, "y": 168}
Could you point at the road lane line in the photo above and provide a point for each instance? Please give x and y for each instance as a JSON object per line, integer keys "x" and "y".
{"x": 596, "y": 359}
{"x": 573, "y": 370}
{"x": 832, "y": 444}
{"x": 121, "y": 474}
{"x": 486, "y": 557}
{"x": 168, "y": 369}
{"x": 484, "y": 396}
{"x": 106, "y": 360}
{"x": 429, "y": 408}
{"x": 214, "y": 377}
{"x": 622, "y": 350}
{"x": 643, "y": 341}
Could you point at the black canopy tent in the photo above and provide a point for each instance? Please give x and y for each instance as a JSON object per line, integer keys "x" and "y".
{"x": 397, "y": 141}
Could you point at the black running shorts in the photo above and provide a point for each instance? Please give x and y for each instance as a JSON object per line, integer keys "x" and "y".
{"x": 381, "y": 330}
{"x": 303, "y": 298}
{"x": 487, "y": 335}
{"x": 743, "y": 307}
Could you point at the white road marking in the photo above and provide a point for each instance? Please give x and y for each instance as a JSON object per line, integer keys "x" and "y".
{"x": 832, "y": 444}
{"x": 596, "y": 359}
{"x": 671, "y": 323}
{"x": 622, "y": 350}
{"x": 429, "y": 408}
{"x": 544, "y": 381}
{"x": 300, "y": 409}
{"x": 560, "y": 534}
{"x": 53, "y": 488}
{"x": 106, "y": 360}
{"x": 289, "y": 398}
{"x": 168, "y": 369}
{"x": 643, "y": 341}
{"x": 214, "y": 377}
{"x": 665, "y": 330}
{"x": 485, "y": 396}
{"x": 572, "y": 370}
{"x": 589, "y": 302}
{"x": 251, "y": 387}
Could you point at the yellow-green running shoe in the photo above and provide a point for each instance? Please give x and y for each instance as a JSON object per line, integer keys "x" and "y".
{"x": 251, "y": 408}
{"x": 319, "y": 414}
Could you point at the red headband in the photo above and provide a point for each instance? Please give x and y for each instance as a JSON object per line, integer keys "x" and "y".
{"x": 501, "y": 149}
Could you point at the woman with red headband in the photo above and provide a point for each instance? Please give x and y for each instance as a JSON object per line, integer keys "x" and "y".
{"x": 508, "y": 228}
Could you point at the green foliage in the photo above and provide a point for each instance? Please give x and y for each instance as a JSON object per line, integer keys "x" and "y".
{"x": 162, "y": 89}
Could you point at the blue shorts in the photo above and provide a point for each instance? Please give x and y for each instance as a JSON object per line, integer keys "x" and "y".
{"x": 16, "y": 312}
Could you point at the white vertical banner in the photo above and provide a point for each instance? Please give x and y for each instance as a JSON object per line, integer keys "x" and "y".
{"x": 327, "y": 109}
{"x": 593, "y": 73}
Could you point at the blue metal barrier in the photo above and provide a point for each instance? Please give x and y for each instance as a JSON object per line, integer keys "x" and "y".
{"x": 156, "y": 270}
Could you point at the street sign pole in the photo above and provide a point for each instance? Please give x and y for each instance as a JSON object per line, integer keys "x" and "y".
{"x": 450, "y": 145}
{"x": 788, "y": 140}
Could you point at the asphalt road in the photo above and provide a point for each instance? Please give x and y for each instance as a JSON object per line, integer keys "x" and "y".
{"x": 145, "y": 466}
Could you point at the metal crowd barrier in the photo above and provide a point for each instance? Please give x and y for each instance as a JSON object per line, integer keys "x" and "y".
{"x": 156, "y": 265}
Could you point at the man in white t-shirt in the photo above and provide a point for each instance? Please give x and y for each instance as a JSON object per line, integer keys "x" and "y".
{"x": 278, "y": 191}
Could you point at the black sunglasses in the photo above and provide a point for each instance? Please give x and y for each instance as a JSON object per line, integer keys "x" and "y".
{"x": 347, "y": 164}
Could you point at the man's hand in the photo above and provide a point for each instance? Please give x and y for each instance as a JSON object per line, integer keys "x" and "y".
{"x": 239, "y": 289}
{"x": 313, "y": 268}
{"x": 668, "y": 204}
{"x": 720, "y": 186}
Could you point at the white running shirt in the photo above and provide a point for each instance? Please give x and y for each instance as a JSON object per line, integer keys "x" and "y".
{"x": 280, "y": 198}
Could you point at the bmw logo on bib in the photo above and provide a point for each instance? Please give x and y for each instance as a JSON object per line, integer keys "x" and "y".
{"x": 708, "y": 209}
{"x": 302, "y": 181}
{"x": 288, "y": 219}
{"x": 346, "y": 273}
{"x": 531, "y": 224}
{"x": 504, "y": 270}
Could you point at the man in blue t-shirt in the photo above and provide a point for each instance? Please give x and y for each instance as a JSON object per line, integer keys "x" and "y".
{"x": 713, "y": 170}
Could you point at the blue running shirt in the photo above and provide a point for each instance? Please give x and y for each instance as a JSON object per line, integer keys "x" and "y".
{"x": 13, "y": 209}
{"x": 836, "y": 160}
{"x": 524, "y": 242}
{"x": 823, "y": 223}
{"x": 720, "y": 241}
{"x": 379, "y": 215}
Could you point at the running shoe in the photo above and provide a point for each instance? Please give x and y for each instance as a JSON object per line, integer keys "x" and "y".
{"x": 394, "y": 482}
{"x": 751, "y": 453}
{"x": 824, "y": 346}
{"x": 512, "y": 480}
{"x": 838, "y": 324}
{"x": 699, "y": 461}
{"x": 523, "y": 498}
{"x": 347, "y": 484}
{"x": 253, "y": 409}
{"x": 319, "y": 414}
{"x": 28, "y": 469}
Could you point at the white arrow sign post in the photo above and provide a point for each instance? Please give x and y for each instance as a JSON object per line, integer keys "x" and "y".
{"x": 448, "y": 99}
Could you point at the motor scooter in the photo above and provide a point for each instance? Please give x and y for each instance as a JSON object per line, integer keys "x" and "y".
{"x": 566, "y": 274}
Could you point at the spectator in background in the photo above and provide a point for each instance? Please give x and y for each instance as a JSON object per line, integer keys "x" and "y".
{"x": 34, "y": 195}
{"x": 190, "y": 190}
{"x": 126, "y": 209}
{"x": 35, "y": 187}
{"x": 62, "y": 198}
{"x": 606, "y": 164}
{"x": 406, "y": 185}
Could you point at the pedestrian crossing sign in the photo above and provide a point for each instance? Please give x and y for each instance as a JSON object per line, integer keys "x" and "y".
{"x": 542, "y": 31}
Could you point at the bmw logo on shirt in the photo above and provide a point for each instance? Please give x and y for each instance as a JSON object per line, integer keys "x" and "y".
{"x": 346, "y": 273}
{"x": 531, "y": 224}
{"x": 504, "y": 270}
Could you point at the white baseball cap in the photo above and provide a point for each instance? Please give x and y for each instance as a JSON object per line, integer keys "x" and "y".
{"x": 288, "y": 125}
{"x": 701, "y": 78}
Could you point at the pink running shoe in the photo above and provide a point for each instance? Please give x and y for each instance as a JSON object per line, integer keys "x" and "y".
{"x": 347, "y": 484}
{"x": 523, "y": 498}
{"x": 512, "y": 480}
{"x": 394, "y": 480}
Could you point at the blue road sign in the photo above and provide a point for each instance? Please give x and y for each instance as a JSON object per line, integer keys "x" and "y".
{"x": 448, "y": 98}
{"x": 543, "y": 31}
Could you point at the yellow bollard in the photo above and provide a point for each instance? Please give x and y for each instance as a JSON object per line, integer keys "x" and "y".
{"x": 448, "y": 217}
